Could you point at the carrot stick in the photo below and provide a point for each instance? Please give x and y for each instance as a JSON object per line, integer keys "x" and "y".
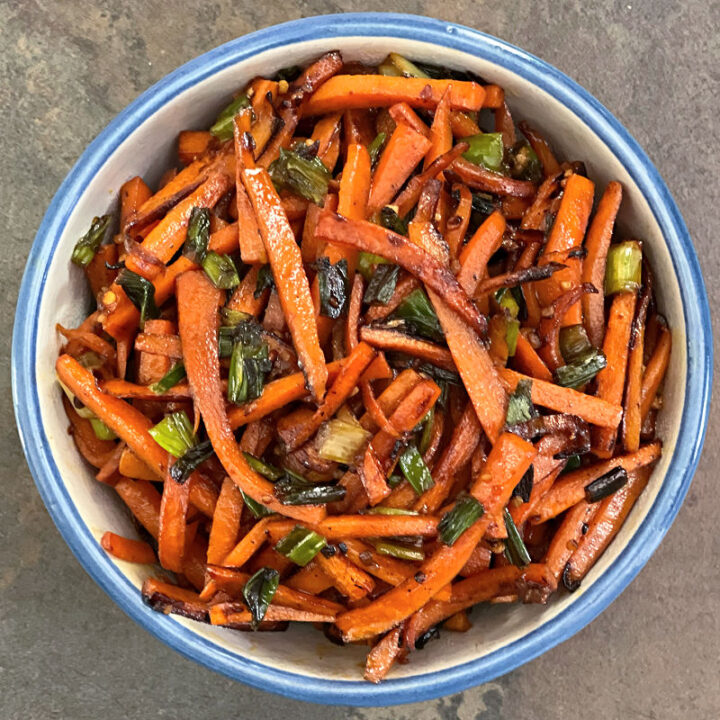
{"x": 456, "y": 455}
{"x": 198, "y": 301}
{"x": 402, "y": 113}
{"x": 597, "y": 243}
{"x": 167, "y": 598}
{"x": 97, "y": 272}
{"x": 655, "y": 371}
{"x": 384, "y": 653}
{"x": 479, "y": 560}
{"x": 165, "y": 345}
{"x": 571, "y": 488}
{"x": 607, "y": 522}
{"x": 392, "y": 396}
{"x": 475, "y": 256}
{"x": 567, "y": 233}
{"x": 566, "y": 400}
{"x": 479, "y": 178}
{"x": 355, "y": 184}
{"x": 388, "y": 339}
{"x": 386, "y": 568}
{"x": 398, "y": 249}
{"x": 264, "y": 94}
{"x": 243, "y": 298}
{"x": 133, "y": 194}
{"x": 440, "y": 130}
{"x": 192, "y": 145}
{"x": 144, "y": 502}
{"x": 457, "y": 224}
{"x": 348, "y": 579}
{"x": 327, "y": 133}
{"x": 123, "y": 548}
{"x": 373, "y": 476}
{"x": 611, "y": 379}
{"x": 153, "y": 367}
{"x": 97, "y": 452}
{"x": 527, "y": 361}
{"x": 538, "y": 143}
{"x": 131, "y": 466}
{"x": 404, "y": 150}
{"x": 226, "y": 522}
{"x": 247, "y": 546}
{"x": 462, "y": 124}
{"x": 169, "y": 234}
{"x": 173, "y": 517}
{"x": 345, "y": 383}
{"x": 125, "y": 389}
{"x": 235, "y": 614}
{"x": 361, "y": 91}
{"x": 353, "y": 314}
{"x": 310, "y": 579}
{"x": 291, "y": 281}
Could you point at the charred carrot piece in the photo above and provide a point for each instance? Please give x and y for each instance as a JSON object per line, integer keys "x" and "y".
{"x": 404, "y": 150}
{"x": 310, "y": 579}
{"x": 571, "y": 488}
{"x": 193, "y": 144}
{"x": 348, "y": 579}
{"x": 597, "y": 243}
{"x": 383, "y": 655}
{"x": 475, "y": 256}
{"x": 133, "y": 195}
{"x": 479, "y": 178}
{"x": 290, "y": 278}
{"x": 387, "y": 339}
{"x": 542, "y": 149}
{"x": 655, "y": 371}
{"x": 440, "y": 131}
{"x": 136, "y": 551}
{"x": 198, "y": 302}
{"x": 226, "y": 522}
{"x": 363, "y": 91}
{"x": 236, "y": 615}
{"x": 373, "y": 476}
{"x": 143, "y": 500}
{"x": 632, "y": 420}
{"x": 527, "y": 360}
{"x": 173, "y": 516}
{"x": 247, "y": 546}
{"x": 327, "y": 135}
{"x": 611, "y": 379}
{"x": 457, "y": 224}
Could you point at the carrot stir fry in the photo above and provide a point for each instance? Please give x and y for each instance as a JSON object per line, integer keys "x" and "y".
{"x": 366, "y": 360}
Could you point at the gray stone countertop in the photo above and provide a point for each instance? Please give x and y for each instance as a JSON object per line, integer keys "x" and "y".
{"x": 66, "y": 651}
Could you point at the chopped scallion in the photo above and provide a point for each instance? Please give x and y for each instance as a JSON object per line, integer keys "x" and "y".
{"x": 195, "y": 456}
{"x": 301, "y": 545}
{"x": 515, "y": 549}
{"x": 341, "y": 440}
{"x": 520, "y": 406}
{"x": 291, "y": 490}
{"x": 86, "y": 247}
{"x": 583, "y": 369}
{"x": 198, "y": 235}
{"x": 257, "y": 509}
{"x": 486, "y": 149}
{"x": 415, "y": 470}
{"x": 376, "y": 146}
{"x": 399, "y": 551}
{"x": 101, "y": 430}
{"x": 332, "y": 287}
{"x": 623, "y": 269}
{"x": 419, "y": 315}
{"x": 262, "y": 468}
{"x": 174, "y": 433}
{"x": 382, "y": 285}
{"x": 141, "y": 293}
{"x": 259, "y": 591}
{"x": 307, "y": 177}
{"x": 221, "y": 270}
{"x": 456, "y": 521}
{"x": 606, "y": 484}
{"x": 222, "y": 129}
{"x": 170, "y": 379}
{"x": 367, "y": 262}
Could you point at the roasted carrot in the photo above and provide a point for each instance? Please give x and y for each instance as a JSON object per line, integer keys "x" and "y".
{"x": 402, "y": 113}
{"x": 133, "y": 194}
{"x": 440, "y": 130}
{"x": 226, "y": 522}
{"x": 381, "y": 658}
{"x": 655, "y": 371}
{"x": 131, "y": 466}
{"x": 542, "y": 149}
{"x": 144, "y": 502}
{"x": 248, "y": 545}
{"x": 173, "y": 517}
{"x": 348, "y": 579}
{"x": 193, "y": 144}
{"x": 475, "y": 255}
{"x": 136, "y": 551}
{"x": 527, "y": 360}
{"x": 479, "y": 178}
{"x": 458, "y": 223}
{"x": 388, "y": 339}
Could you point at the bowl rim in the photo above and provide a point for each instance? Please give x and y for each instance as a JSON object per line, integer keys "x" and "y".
{"x": 604, "y": 590}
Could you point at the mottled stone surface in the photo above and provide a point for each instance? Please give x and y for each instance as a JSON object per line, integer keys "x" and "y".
{"x": 66, "y": 651}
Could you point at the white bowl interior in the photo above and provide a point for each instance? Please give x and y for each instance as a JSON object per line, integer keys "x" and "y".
{"x": 149, "y": 150}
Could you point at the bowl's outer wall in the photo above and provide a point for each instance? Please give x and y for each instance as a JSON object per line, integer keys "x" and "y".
{"x": 82, "y": 509}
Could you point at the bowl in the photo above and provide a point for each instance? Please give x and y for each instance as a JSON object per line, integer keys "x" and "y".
{"x": 140, "y": 141}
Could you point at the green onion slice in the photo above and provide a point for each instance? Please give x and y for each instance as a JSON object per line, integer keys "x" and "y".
{"x": 86, "y": 247}
{"x": 456, "y": 521}
{"x": 170, "y": 379}
{"x": 415, "y": 470}
{"x": 141, "y": 293}
{"x": 259, "y": 591}
{"x": 515, "y": 549}
{"x": 221, "y": 270}
{"x": 174, "y": 433}
{"x": 301, "y": 545}
{"x": 222, "y": 128}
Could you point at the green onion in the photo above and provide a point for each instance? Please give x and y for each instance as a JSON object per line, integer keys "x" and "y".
{"x": 191, "y": 459}
{"x": 222, "y": 129}
{"x": 486, "y": 149}
{"x": 415, "y": 470}
{"x": 262, "y": 468}
{"x": 367, "y": 262}
{"x": 291, "y": 490}
{"x": 382, "y": 285}
{"x": 582, "y": 369}
{"x": 507, "y": 302}
{"x": 574, "y": 342}
{"x": 387, "y": 68}
{"x": 456, "y": 521}
{"x": 402, "y": 67}
{"x": 259, "y": 511}
{"x": 524, "y": 163}
{"x": 170, "y": 379}
{"x": 83, "y": 411}
{"x": 296, "y": 172}
{"x": 606, "y": 484}
{"x": 420, "y": 316}
{"x": 390, "y": 219}
{"x": 141, "y": 293}
{"x": 258, "y": 593}
{"x": 101, "y": 430}
{"x": 332, "y": 287}
{"x": 301, "y": 545}
{"x": 288, "y": 74}
{"x": 376, "y": 146}
{"x": 381, "y": 510}
{"x": 341, "y": 440}
{"x": 86, "y": 247}
{"x": 264, "y": 280}
{"x": 483, "y": 203}
{"x": 221, "y": 270}
{"x": 512, "y": 330}
{"x": 573, "y": 463}
{"x": 246, "y": 377}
{"x": 396, "y": 550}
{"x": 515, "y": 549}
{"x": 198, "y": 235}
{"x": 623, "y": 269}
{"x": 174, "y": 433}
{"x": 520, "y": 406}
{"x": 524, "y": 488}
{"x": 427, "y": 431}
{"x": 232, "y": 318}
{"x": 394, "y": 480}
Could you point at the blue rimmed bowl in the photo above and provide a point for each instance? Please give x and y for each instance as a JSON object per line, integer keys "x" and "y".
{"x": 140, "y": 141}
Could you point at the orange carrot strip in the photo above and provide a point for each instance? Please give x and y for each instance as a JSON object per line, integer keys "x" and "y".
{"x": 632, "y": 421}
{"x": 291, "y": 281}
{"x": 169, "y": 234}
{"x": 567, "y": 233}
{"x": 264, "y": 94}
{"x": 125, "y": 389}
{"x": 173, "y": 516}
{"x": 475, "y": 256}
{"x": 478, "y": 177}
{"x": 131, "y": 466}
{"x": 247, "y": 546}
{"x": 144, "y": 502}
{"x": 398, "y": 249}
{"x": 462, "y": 124}
{"x": 97, "y": 452}
{"x": 607, "y": 522}
{"x": 571, "y": 488}
{"x": 440, "y": 130}
{"x": 457, "y": 225}
{"x": 355, "y": 183}
{"x": 345, "y": 383}
{"x": 655, "y": 371}
{"x": 243, "y": 298}
{"x": 348, "y": 579}
{"x": 597, "y": 243}
{"x": 310, "y": 579}
{"x": 198, "y": 301}
{"x": 165, "y": 345}
{"x": 402, "y": 113}
{"x": 133, "y": 194}
{"x": 529, "y": 362}
{"x": 226, "y": 522}
{"x": 392, "y": 396}
{"x": 384, "y": 653}
{"x": 193, "y": 144}
{"x": 235, "y": 614}
{"x": 327, "y": 133}
{"x": 170, "y": 598}
{"x": 386, "y": 568}
{"x": 566, "y": 400}
{"x": 136, "y": 551}
{"x": 403, "y": 151}
{"x": 611, "y": 379}
{"x": 373, "y": 476}
{"x": 538, "y": 143}
{"x": 360, "y": 91}
{"x": 353, "y": 314}
{"x": 388, "y": 339}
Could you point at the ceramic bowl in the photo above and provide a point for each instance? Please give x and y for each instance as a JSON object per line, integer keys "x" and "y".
{"x": 141, "y": 141}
